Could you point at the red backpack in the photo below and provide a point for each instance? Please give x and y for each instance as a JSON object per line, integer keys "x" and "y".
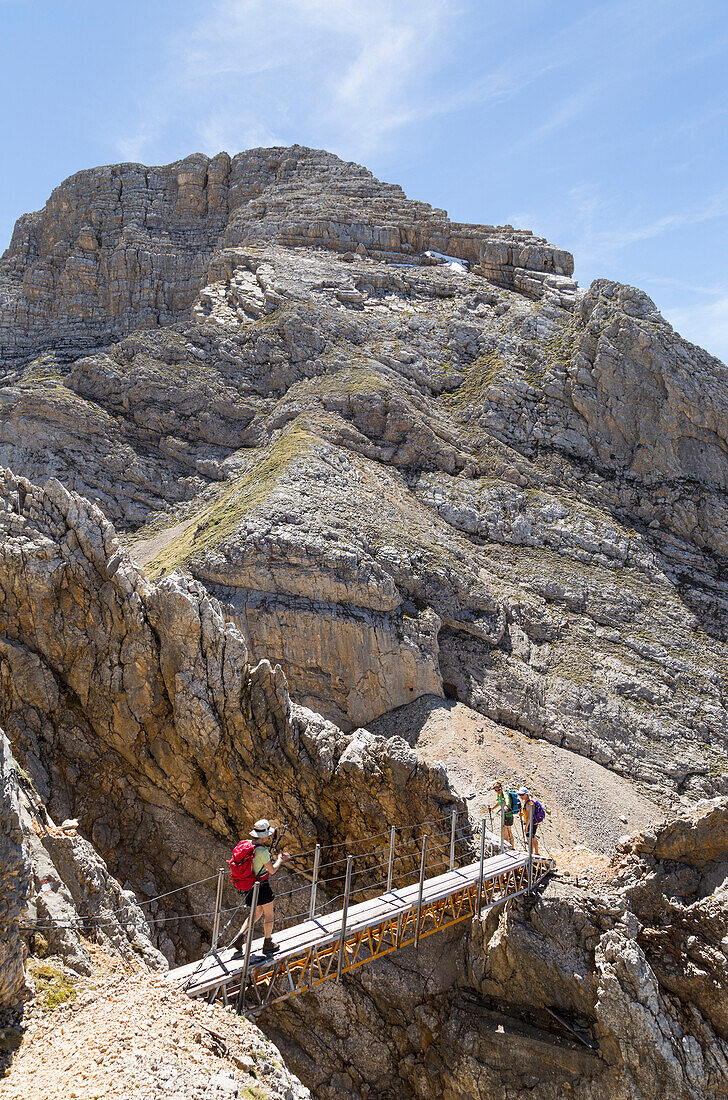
{"x": 241, "y": 866}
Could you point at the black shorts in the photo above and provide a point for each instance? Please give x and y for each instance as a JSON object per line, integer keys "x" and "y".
{"x": 508, "y": 820}
{"x": 265, "y": 894}
{"x": 531, "y": 830}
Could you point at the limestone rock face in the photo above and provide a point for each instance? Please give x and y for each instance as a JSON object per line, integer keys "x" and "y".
{"x": 73, "y": 894}
{"x": 398, "y": 476}
{"x": 355, "y": 454}
{"x": 134, "y": 706}
{"x": 125, "y": 246}
{"x": 610, "y": 994}
{"x": 14, "y": 884}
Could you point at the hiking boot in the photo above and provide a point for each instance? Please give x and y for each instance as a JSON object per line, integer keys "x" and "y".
{"x": 269, "y": 947}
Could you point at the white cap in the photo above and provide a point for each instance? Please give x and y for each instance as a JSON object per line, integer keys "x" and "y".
{"x": 262, "y": 829}
{"x": 523, "y": 790}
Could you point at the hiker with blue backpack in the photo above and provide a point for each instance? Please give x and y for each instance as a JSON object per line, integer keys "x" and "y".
{"x": 532, "y": 813}
{"x": 507, "y": 803}
{"x": 251, "y": 861}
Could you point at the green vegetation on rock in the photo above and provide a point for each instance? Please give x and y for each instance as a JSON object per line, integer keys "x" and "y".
{"x": 221, "y": 518}
{"x": 54, "y": 987}
{"x": 479, "y": 375}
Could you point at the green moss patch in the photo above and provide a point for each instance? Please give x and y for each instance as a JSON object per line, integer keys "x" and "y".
{"x": 350, "y": 380}
{"x": 253, "y": 1092}
{"x": 479, "y": 375}
{"x": 53, "y": 986}
{"x": 221, "y": 518}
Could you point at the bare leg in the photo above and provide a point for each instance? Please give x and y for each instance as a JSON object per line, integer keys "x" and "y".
{"x": 258, "y": 914}
{"x": 535, "y": 846}
{"x": 267, "y": 911}
{"x": 508, "y": 834}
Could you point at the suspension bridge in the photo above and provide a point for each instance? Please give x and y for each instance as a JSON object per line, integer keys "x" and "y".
{"x": 319, "y": 946}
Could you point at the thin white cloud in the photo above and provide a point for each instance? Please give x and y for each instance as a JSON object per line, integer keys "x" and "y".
{"x": 598, "y": 230}
{"x": 236, "y": 130}
{"x": 341, "y": 74}
{"x": 349, "y": 75}
{"x": 614, "y": 240}
{"x": 346, "y": 75}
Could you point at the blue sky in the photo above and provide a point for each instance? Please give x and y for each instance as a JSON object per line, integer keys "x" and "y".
{"x": 602, "y": 126}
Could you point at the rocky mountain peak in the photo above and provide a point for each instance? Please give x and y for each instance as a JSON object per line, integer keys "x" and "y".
{"x": 318, "y": 506}
{"x": 125, "y": 245}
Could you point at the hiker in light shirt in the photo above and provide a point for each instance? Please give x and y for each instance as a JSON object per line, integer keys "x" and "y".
{"x": 504, "y": 801}
{"x": 264, "y": 867}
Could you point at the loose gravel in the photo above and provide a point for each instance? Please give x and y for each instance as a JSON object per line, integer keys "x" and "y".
{"x": 129, "y": 1036}
{"x": 587, "y": 803}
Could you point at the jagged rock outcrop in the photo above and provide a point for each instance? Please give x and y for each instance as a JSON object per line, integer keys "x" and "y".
{"x": 614, "y": 994}
{"x": 357, "y": 470}
{"x": 134, "y": 706}
{"x": 73, "y": 895}
{"x": 123, "y": 246}
{"x": 14, "y": 884}
{"x": 405, "y": 478}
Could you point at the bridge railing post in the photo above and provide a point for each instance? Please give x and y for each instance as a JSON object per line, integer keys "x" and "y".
{"x": 452, "y": 839}
{"x": 248, "y": 946}
{"x": 344, "y": 915}
{"x": 503, "y": 825}
{"x": 423, "y": 865}
{"x": 314, "y": 882}
{"x": 479, "y": 898}
{"x": 392, "y": 837}
{"x": 218, "y": 904}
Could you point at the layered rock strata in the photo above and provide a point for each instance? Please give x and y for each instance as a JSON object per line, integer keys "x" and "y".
{"x": 364, "y": 472}
{"x": 135, "y": 708}
{"x": 123, "y": 246}
{"x": 400, "y": 480}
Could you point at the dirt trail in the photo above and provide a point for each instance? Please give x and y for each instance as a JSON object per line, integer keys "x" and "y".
{"x": 145, "y": 550}
{"x": 587, "y": 803}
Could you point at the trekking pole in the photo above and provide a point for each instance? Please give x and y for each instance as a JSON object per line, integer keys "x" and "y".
{"x": 278, "y": 836}
{"x": 392, "y": 835}
{"x": 218, "y": 903}
{"x": 423, "y": 862}
{"x": 314, "y": 883}
{"x": 248, "y": 946}
{"x": 452, "y": 839}
{"x": 478, "y": 900}
{"x": 344, "y": 915}
{"x": 503, "y": 825}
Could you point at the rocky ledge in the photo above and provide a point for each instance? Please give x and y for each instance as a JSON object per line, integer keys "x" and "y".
{"x": 611, "y": 992}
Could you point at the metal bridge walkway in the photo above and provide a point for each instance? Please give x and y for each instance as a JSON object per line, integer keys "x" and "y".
{"x": 324, "y": 947}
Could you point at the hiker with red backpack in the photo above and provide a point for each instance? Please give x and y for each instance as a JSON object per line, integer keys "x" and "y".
{"x": 251, "y": 860}
{"x": 533, "y": 814}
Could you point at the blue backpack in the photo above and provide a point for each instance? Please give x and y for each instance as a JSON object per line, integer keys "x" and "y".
{"x": 512, "y": 803}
